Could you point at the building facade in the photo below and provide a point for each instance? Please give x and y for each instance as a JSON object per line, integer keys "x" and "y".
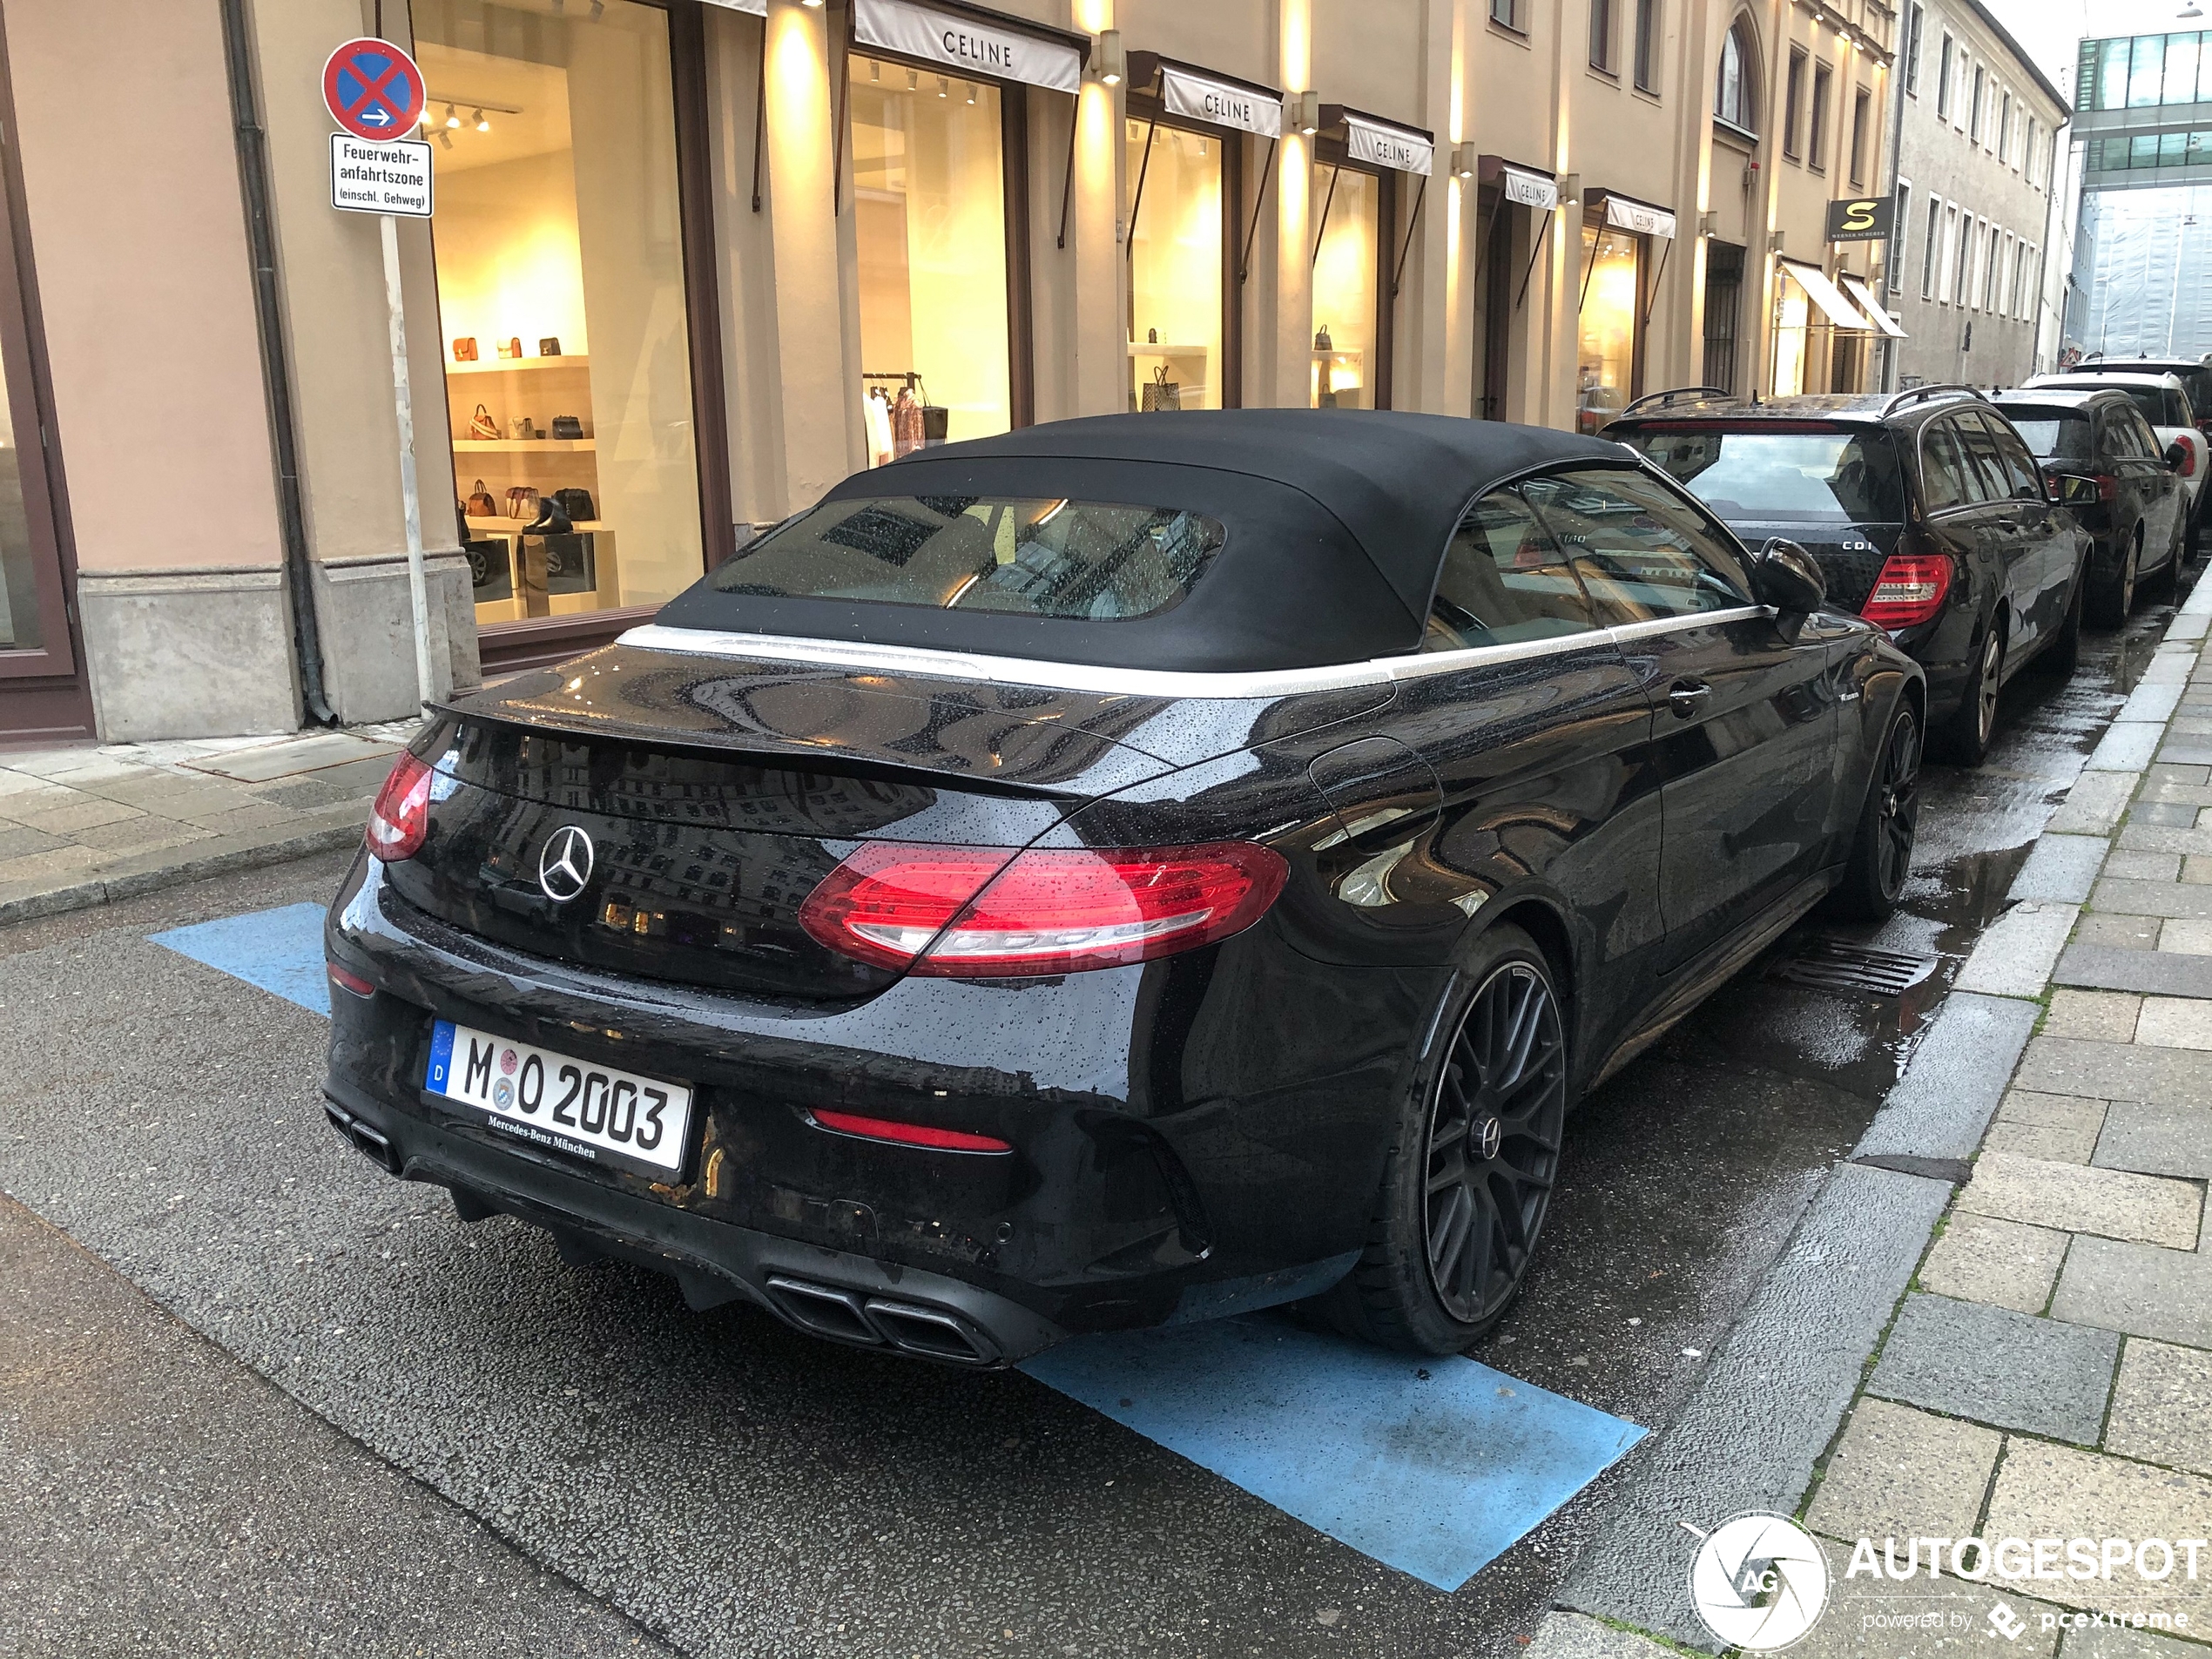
{"x": 1980, "y": 139}
{"x": 693, "y": 263}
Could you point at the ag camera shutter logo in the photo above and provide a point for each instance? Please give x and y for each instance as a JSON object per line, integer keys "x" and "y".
{"x": 1759, "y": 1582}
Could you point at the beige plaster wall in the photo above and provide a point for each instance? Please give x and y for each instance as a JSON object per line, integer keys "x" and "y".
{"x": 138, "y": 236}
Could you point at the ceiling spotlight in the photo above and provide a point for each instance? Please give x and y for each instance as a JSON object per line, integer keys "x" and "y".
{"x": 481, "y": 121}
{"x": 971, "y": 91}
{"x": 944, "y": 87}
{"x": 875, "y": 71}
{"x": 913, "y": 80}
{"x": 599, "y": 8}
{"x": 445, "y": 138}
{"x": 453, "y": 115}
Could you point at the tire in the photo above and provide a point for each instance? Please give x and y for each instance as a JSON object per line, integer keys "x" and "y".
{"x": 2063, "y": 655}
{"x": 1450, "y": 1241}
{"x": 1881, "y": 851}
{"x": 1964, "y": 737}
{"x": 2110, "y": 603}
{"x": 2165, "y": 581}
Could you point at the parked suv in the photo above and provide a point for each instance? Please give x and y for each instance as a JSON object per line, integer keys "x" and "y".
{"x": 2163, "y": 400}
{"x": 2194, "y": 373}
{"x": 2106, "y": 466}
{"x": 1926, "y": 512}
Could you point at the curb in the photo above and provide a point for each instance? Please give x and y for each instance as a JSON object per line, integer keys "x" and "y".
{"x": 85, "y": 895}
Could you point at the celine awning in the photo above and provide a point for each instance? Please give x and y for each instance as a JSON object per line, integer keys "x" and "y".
{"x": 1640, "y": 218}
{"x": 1825, "y": 295}
{"x": 1195, "y": 94}
{"x": 969, "y": 40}
{"x": 1530, "y": 186}
{"x": 1379, "y": 143}
{"x": 1856, "y": 287}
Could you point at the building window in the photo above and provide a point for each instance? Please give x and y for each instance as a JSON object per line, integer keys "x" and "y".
{"x": 1723, "y": 308}
{"x": 1607, "y": 368}
{"x": 1816, "y": 139}
{"x": 1734, "y": 100}
{"x": 2027, "y": 151}
{"x": 1861, "y": 103}
{"x": 1348, "y": 283}
{"x": 1992, "y": 261}
{"x": 1178, "y": 250}
{"x": 1507, "y": 12}
{"x": 1601, "y": 35}
{"x": 1904, "y": 223}
{"x": 2005, "y": 129}
{"x": 1974, "y": 105}
{"x": 1647, "y": 45}
{"x": 2028, "y": 278}
{"x": 1944, "y": 68}
{"x": 1962, "y": 288}
{"x": 1793, "y": 103}
{"x": 560, "y": 280}
{"x": 1915, "y": 19}
{"x": 1931, "y": 248}
{"x": 1949, "y": 291}
{"x": 929, "y": 218}
{"x": 1792, "y": 337}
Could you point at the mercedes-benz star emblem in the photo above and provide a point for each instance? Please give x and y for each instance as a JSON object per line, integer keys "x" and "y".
{"x": 1489, "y": 1135}
{"x": 565, "y": 865}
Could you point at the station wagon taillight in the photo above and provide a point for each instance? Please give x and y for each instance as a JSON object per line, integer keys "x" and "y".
{"x": 972, "y": 912}
{"x": 1912, "y": 588}
{"x": 401, "y": 815}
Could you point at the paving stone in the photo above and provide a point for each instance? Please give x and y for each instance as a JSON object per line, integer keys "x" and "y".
{"x": 2176, "y": 1022}
{"x": 1575, "y": 1635}
{"x": 293, "y": 756}
{"x": 2196, "y": 795}
{"x": 2117, "y": 933}
{"x": 2153, "y": 898}
{"x": 2060, "y": 1128}
{"x": 2184, "y": 937}
{"x": 140, "y": 834}
{"x": 2164, "y": 774}
{"x": 2195, "y": 867}
{"x": 2045, "y": 1491}
{"x": 44, "y": 866}
{"x": 87, "y": 811}
{"x": 1980, "y": 1259}
{"x": 1994, "y": 1366}
{"x": 1874, "y": 1619}
{"x": 2125, "y": 748}
{"x": 2077, "y": 1198}
{"x": 2107, "y": 1016}
{"x": 22, "y": 843}
{"x": 2151, "y": 814}
{"x": 2144, "y": 867}
{"x": 2157, "y": 1137}
{"x": 2152, "y": 700}
{"x": 1942, "y": 1107}
{"x": 2061, "y": 869}
{"x": 316, "y": 790}
{"x": 2093, "y": 806}
{"x": 2114, "y": 1071}
{"x": 2017, "y": 952}
{"x": 1898, "y": 1473}
{"x": 2144, "y": 834}
{"x": 253, "y": 815}
{"x": 2192, "y": 750}
{"x": 2152, "y": 971}
{"x": 2140, "y": 1289}
{"x": 2161, "y": 1405}
{"x": 2107, "y": 1642}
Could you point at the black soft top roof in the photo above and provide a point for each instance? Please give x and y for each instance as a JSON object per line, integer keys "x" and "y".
{"x": 1336, "y": 521}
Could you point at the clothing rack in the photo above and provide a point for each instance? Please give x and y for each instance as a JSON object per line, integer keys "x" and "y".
{"x": 912, "y": 377}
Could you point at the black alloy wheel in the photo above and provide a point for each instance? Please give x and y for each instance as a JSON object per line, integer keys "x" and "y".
{"x": 2116, "y": 601}
{"x": 1492, "y": 1149}
{"x": 1881, "y": 855}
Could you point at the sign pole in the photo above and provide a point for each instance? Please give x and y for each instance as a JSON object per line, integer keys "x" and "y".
{"x": 410, "y": 497}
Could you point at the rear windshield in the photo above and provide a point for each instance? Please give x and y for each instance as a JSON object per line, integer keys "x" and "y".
{"x": 1821, "y": 476}
{"x": 2054, "y": 435}
{"x": 1090, "y": 561}
{"x": 2151, "y": 399}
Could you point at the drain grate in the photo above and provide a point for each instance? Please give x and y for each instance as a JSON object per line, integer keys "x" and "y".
{"x": 1846, "y": 965}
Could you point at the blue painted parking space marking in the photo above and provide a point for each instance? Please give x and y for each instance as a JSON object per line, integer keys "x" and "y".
{"x": 279, "y": 950}
{"x": 1434, "y": 1467}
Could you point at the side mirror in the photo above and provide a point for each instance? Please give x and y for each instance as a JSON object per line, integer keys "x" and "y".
{"x": 2177, "y": 454}
{"x": 1790, "y": 579}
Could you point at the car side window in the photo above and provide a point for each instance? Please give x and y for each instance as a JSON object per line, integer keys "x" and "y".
{"x": 2026, "y": 483}
{"x": 2132, "y": 436}
{"x": 1641, "y": 550}
{"x": 1979, "y": 439}
{"x": 1947, "y": 478}
{"x": 1503, "y": 579}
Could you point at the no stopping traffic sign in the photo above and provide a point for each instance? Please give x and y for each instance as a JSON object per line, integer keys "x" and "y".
{"x": 374, "y": 90}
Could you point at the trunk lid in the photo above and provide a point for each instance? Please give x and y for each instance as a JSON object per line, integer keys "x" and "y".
{"x": 1850, "y": 555}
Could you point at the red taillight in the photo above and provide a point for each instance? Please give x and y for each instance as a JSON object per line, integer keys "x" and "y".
{"x": 971, "y": 914}
{"x": 397, "y": 822}
{"x": 1911, "y": 589}
{"x": 347, "y": 981}
{"x": 2188, "y": 469}
{"x": 884, "y": 1129}
{"x": 2107, "y": 488}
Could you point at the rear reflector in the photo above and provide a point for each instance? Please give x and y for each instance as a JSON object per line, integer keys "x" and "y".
{"x": 970, "y": 913}
{"x": 1912, "y": 588}
{"x": 401, "y": 815}
{"x": 885, "y": 1128}
{"x": 347, "y": 981}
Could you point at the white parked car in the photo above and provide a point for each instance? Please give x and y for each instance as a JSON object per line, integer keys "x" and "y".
{"x": 2165, "y": 403}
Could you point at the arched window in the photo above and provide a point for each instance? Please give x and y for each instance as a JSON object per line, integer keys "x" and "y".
{"x": 1734, "y": 87}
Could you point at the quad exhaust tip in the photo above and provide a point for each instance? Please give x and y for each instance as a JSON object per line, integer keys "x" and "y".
{"x": 371, "y": 1143}
{"x": 877, "y": 1322}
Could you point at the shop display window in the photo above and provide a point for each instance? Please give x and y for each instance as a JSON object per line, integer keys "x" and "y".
{"x": 929, "y": 213}
{"x": 561, "y": 290}
{"x": 1346, "y": 261}
{"x": 1176, "y": 248}
{"x": 1792, "y": 313}
{"x": 21, "y": 626}
{"x": 1606, "y": 362}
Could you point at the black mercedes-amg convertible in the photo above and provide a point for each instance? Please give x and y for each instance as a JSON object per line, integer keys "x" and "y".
{"x": 1130, "y": 870}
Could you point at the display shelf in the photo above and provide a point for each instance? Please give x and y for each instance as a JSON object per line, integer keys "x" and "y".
{"x": 515, "y": 365}
{"x": 478, "y": 446}
{"x": 516, "y": 526}
{"x": 1161, "y": 349}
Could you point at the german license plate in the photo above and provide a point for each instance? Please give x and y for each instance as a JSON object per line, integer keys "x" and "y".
{"x": 589, "y": 1110}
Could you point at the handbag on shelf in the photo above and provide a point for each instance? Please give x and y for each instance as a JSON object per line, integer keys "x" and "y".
{"x": 522, "y": 502}
{"x": 568, "y": 426}
{"x": 1160, "y": 393}
{"x": 481, "y": 426}
{"x": 549, "y": 345}
{"x": 480, "y": 503}
{"x": 465, "y": 349}
{"x": 576, "y": 503}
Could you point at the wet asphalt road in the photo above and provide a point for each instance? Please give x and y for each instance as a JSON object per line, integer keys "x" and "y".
{"x": 712, "y": 1479}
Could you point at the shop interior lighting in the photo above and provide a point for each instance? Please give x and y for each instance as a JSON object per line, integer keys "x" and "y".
{"x": 944, "y": 87}
{"x": 914, "y": 79}
{"x": 875, "y": 71}
{"x": 453, "y": 117}
{"x": 599, "y": 8}
{"x": 971, "y": 91}
{"x": 481, "y": 121}
{"x": 445, "y": 138}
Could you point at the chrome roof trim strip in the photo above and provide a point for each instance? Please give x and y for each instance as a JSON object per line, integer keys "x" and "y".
{"x": 1142, "y": 682}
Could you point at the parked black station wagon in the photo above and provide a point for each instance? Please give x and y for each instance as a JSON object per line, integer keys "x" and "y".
{"x": 1925, "y": 511}
{"x": 1121, "y": 871}
{"x": 2103, "y": 459}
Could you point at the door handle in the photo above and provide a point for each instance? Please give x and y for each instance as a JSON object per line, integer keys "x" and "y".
{"x": 1687, "y": 696}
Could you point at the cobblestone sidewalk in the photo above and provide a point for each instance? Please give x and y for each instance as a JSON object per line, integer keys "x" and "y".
{"x": 2048, "y": 1374}
{"x": 82, "y": 825}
